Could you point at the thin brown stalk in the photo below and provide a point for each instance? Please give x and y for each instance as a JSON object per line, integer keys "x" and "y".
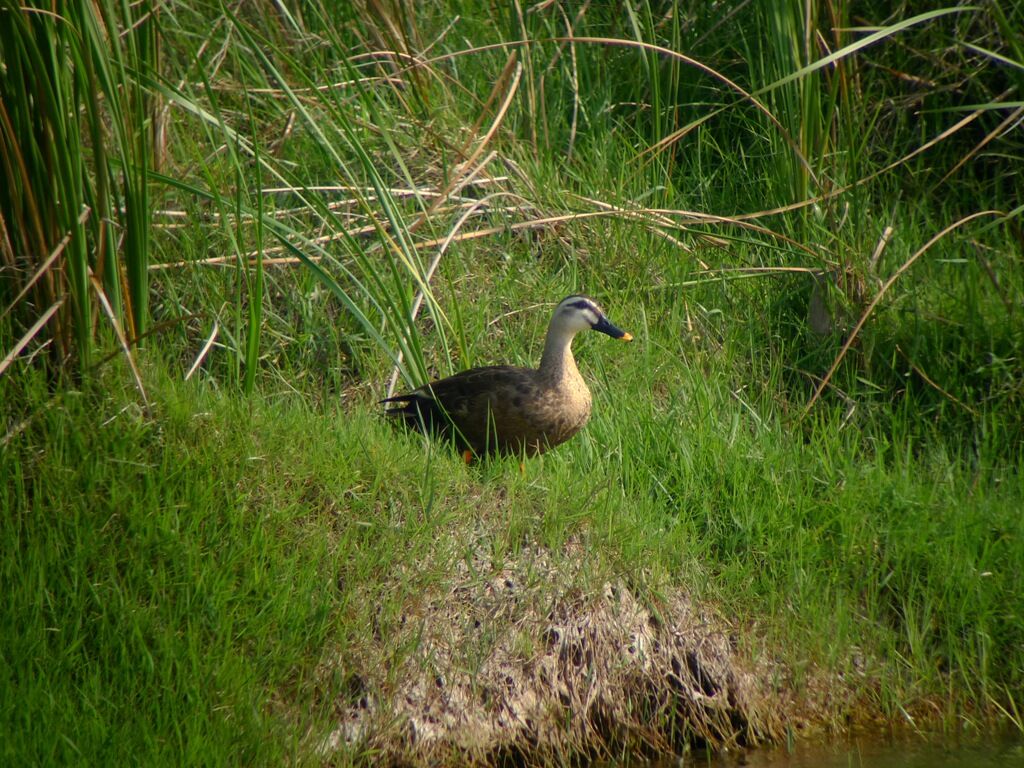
{"x": 1008, "y": 301}
{"x": 121, "y": 338}
{"x": 163, "y": 325}
{"x": 654, "y": 228}
{"x": 711, "y": 72}
{"x": 880, "y": 246}
{"x": 420, "y": 296}
{"x": 870, "y": 177}
{"x": 643, "y": 46}
{"x": 878, "y": 297}
{"x": 682, "y": 219}
{"x": 669, "y": 217}
{"x": 54, "y": 255}
{"x": 928, "y": 380}
{"x": 204, "y": 351}
{"x": 34, "y": 223}
{"x": 29, "y": 335}
{"x": 512, "y": 74}
{"x": 760, "y": 270}
{"x": 336, "y": 205}
{"x": 356, "y": 232}
{"x": 326, "y": 88}
{"x": 520, "y": 310}
{"x": 1012, "y": 118}
{"x": 695, "y": 217}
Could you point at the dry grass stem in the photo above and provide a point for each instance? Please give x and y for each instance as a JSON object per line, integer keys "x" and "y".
{"x": 121, "y": 338}
{"x": 47, "y": 263}
{"x": 513, "y": 663}
{"x": 207, "y": 346}
{"x": 418, "y": 302}
{"x": 878, "y": 297}
{"x": 30, "y": 334}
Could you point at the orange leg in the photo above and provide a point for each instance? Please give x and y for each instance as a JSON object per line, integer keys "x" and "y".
{"x": 467, "y": 456}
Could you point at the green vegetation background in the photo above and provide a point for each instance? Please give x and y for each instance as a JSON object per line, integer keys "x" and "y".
{"x": 774, "y": 198}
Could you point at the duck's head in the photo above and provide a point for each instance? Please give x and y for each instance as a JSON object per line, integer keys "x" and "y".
{"x": 581, "y": 313}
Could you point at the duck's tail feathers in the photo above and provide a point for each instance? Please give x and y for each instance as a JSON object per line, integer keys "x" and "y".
{"x": 416, "y": 411}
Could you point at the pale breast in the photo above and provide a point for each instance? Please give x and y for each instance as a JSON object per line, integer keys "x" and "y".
{"x": 558, "y": 415}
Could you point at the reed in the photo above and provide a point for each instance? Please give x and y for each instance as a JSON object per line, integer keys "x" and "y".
{"x": 78, "y": 126}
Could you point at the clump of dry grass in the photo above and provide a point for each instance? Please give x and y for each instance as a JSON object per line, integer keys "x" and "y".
{"x": 519, "y": 661}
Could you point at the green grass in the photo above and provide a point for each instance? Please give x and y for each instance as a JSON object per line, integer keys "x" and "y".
{"x": 174, "y": 585}
{"x": 174, "y": 582}
{"x": 180, "y": 575}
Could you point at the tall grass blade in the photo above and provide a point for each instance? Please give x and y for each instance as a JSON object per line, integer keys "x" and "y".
{"x": 74, "y": 122}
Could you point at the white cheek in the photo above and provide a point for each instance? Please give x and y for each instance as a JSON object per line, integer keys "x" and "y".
{"x": 590, "y": 317}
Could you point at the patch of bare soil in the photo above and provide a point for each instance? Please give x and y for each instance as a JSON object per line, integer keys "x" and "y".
{"x": 527, "y": 663}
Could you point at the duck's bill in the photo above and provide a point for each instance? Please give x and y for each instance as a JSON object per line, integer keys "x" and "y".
{"x": 616, "y": 333}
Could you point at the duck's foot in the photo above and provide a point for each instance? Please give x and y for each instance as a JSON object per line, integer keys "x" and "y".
{"x": 467, "y": 456}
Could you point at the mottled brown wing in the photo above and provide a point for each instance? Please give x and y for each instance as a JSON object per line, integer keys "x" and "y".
{"x": 489, "y": 407}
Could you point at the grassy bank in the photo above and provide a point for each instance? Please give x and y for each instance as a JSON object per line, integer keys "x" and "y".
{"x": 208, "y": 582}
{"x": 215, "y": 549}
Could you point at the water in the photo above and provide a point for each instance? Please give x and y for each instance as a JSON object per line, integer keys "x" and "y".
{"x": 991, "y": 752}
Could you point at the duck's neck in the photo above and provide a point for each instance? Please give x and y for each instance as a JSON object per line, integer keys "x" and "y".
{"x": 557, "y": 364}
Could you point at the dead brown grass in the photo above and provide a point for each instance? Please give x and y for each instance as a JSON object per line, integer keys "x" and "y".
{"x": 528, "y": 662}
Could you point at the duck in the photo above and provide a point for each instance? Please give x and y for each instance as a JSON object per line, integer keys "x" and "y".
{"x": 505, "y": 409}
